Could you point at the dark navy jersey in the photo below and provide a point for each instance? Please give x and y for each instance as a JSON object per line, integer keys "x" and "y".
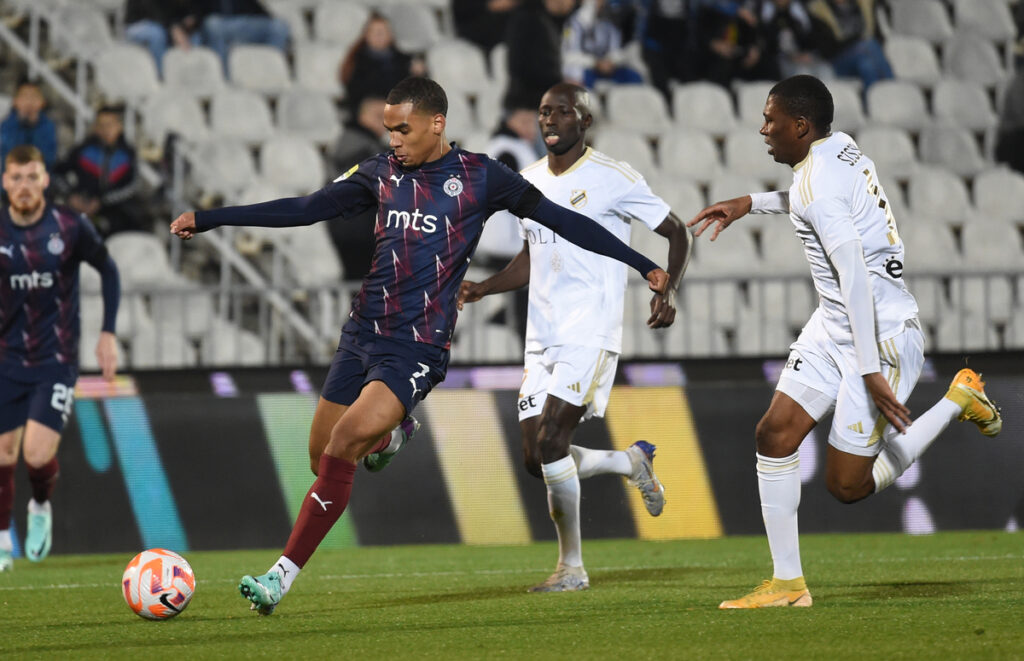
{"x": 429, "y": 220}
{"x": 39, "y": 321}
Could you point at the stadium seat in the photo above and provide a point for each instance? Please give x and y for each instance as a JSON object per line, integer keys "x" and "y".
{"x": 789, "y": 300}
{"x": 461, "y": 121}
{"x": 141, "y": 259}
{"x": 240, "y": 114}
{"x": 747, "y": 154}
{"x": 312, "y": 257}
{"x": 80, "y": 31}
{"x": 339, "y": 21}
{"x": 132, "y": 314}
{"x": 90, "y": 335}
{"x": 158, "y": 348}
{"x": 959, "y": 331}
{"x": 992, "y": 245}
{"x": 647, "y": 242}
{"x": 487, "y": 343}
{"x": 998, "y": 193}
{"x": 292, "y": 13}
{"x": 292, "y": 164}
{"x": 185, "y": 311}
{"x": 167, "y": 111}
{"x": 952, "y": 147}
{"x": 927, "y": 19}
{"x": 781, "y": 250}
{"x": 963, "y": 103}
{"x": 891, "y": 149}
{"x": 928, "y": 291}
{"x": 308, "y": 115}
{"x": 684, "y": 197}
{"x": 498, "y": 63}
{"x": 317, "y": 65}
{"x": 126, "y": 72}
{"x": 733, "y": 253}
{"x": 459, "y": 66}
{"x": 760, "y": 336}
{"x": 489, "y": 109}
{"x": 990, "y": 19}
{"x": 414, "y": 24}
{"x": 913, "y": 59}
{"x": 929, "y": 246}
{"x": 897, "y": 103}
{"x": 690, "y": 153}
{"x": 936, "y": 195}
{"x": 223, "y": 166}
{"x": 629, "y": 147}
{"x": 227, "y": 344}
{"x": 196, "y": 71}
{"x": 259, "y": 68}
{"x": 703, "y": 106}
{"x": 972, "y": 58}
{"x": 640, "y": 108}
{"x": 849, "y": 113}
{"x": 894, "y": 195}
{"x": 750, "y": 100}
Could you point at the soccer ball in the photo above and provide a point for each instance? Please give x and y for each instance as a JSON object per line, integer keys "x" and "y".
{"x": 158, "y": 584}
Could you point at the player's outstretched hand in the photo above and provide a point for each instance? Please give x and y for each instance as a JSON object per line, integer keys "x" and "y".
{"x": 657, "y": 280}
{"x": 663, "y": 310}
{"x": 893, "y": 409}
{"x": 184, "y": 226}
{"x": 720, "y": 213}
{"x": 106, "y": 355}
{"x": 469, "y": 292}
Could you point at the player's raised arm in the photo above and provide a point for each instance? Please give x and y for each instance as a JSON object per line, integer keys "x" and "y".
{"x": 725, "y": 212}
{"x": 516, "y": 274}
{"x": 285, "y": 212}
{"x": 680, "y": 245}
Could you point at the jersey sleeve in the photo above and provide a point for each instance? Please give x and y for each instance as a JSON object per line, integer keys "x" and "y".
{"x": 640, "y": 203}
{"x": 356, "y": 190}
{"x": 832, "y": 221}
{"x": 89, "y": 245}
{"x": 505, "y": 188}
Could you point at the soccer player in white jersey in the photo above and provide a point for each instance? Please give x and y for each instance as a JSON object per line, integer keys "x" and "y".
{"x": 860, "y": 353}
{"x": 574, "y": 324}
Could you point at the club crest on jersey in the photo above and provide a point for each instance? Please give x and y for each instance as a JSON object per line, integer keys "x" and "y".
{"x": 351, "y": 171}
{"x": 578, "y": 198}
{"x": 453, "y": 186}
{"x": 55, "y": 245}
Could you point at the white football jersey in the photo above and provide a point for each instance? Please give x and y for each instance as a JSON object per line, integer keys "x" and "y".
{"x": 576, "y": 296}
{"x": 836, "y": 197}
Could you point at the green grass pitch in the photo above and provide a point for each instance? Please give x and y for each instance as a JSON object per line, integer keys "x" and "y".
{"x": 949, "y": 595}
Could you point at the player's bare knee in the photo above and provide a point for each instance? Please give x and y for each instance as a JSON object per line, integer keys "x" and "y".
{"x": 553, "y": 443}
{"x": 774, "y": 438}
{"x": 533, "y": 467}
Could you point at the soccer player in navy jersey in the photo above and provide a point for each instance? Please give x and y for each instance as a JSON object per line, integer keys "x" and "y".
{"x": 432, "y": 199}
{"x": 41, "y": 248}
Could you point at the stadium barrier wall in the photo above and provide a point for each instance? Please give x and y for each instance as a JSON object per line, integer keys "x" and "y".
{"x": 218, "y": 460}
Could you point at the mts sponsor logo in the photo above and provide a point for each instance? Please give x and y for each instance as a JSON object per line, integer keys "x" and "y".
{"x": 415, "y": 220}
{"x": 33, "y": 280}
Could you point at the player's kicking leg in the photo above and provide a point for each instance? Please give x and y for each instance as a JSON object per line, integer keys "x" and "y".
{"x": 635, "y": 463}
{"x": 391, "y": 445}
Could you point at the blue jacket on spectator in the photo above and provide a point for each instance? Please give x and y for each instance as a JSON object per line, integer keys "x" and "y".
{"x": 42, "y": 134}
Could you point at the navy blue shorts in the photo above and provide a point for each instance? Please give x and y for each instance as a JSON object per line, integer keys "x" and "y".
{"x": 47, "y": 401}
{"x": 408, "y": 369}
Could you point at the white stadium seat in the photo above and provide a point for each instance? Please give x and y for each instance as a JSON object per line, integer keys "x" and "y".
{"x": 970, "y": 57}
{"x": 781, "y": 250}
{"x": 317, "y": 65}
{"x": 309, "y": 115}
{"x": 998, "y": 193}
{"x": 196, "y": 71}
{"x": 927, "y": 19}
{"x": 891, "y": 149}
{"x": 415, "y": 26}
{"x": 629, "y": 147}
{"x": 937, "y": 195}
{"x": 640, "y": 108}
{"x": 963, "y": 103}
{"x": 848, "y": 111}
{"x": 461, "y": 123}
{"x": 928, "y": 246}
{"x": 227, "y": 344}
{"x": 747, "y": 154}
{"x": 259, "y": 68}
{"x": 126, "y": 72}
{"x": 224, "y": 166}
{"x": 240, "y": 114}
{"x": 81, "y": 31}
{"x": 684, "y": 197}
{"x": 186, "y": 311}
{"x": 141, "y": 259}
{"x": 292, "y": 164}
{"x": 750, "y": 100}
{"x": 913, "y": 59}
{"x": 897, "y": 103}
{"x": 952, "y": 147}
{"x": 992, "y": 245}
{"x": 161, "y": 348}
{"x": 170, "y": 112}
{"x": 690, "y": 153}
{"x": 990, "y": 19}
{"x": 314, "y": 262}
{"x": 459, "y": 66}
{"x": 339, "y": 21}
{"x": 704, "y": 106}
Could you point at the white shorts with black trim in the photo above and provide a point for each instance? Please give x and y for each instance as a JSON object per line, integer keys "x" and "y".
{"x": 581, "y": 376}
{"x": 822, "y": 376}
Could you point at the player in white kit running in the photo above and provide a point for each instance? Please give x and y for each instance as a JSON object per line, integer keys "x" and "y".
{"x": 862, "y": 350}
{"x": 574, "y": 324}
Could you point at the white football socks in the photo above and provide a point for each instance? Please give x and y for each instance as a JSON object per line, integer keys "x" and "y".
{"x": 778, "y": 481}
{"x": 599, "y": 462}
{"x": 287, "y": 570}
{"x": 5, "y": 540}
{"x": 564, "y": 506}
{"x": 901, "y": 450}
{"x": 38, "y": 508}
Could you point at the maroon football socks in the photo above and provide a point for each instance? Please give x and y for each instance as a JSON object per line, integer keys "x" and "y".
{"x": 321, "y": 509}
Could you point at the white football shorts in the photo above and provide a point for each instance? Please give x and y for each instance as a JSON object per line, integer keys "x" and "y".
{"x": 581, "y": 376}
{"x": 821, "y": 376}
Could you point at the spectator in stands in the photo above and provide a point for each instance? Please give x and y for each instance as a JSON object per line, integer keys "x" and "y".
{"x": 160, "y": 24}
{"x": 668, "y": 33}
{"x": 364, "y": 135}
{"x": 99, "y": 177}
{"x": 787, "y": 34}
{"x": 592, "y": 48}
{"x": 731, "y": 45}
{"x": 1010, "y": 136}
{"x": 482, "y": 21}
{"x": 846, "y": 33}
{"x": 229, "y": 22}
{"x": 374, "y": 64}
{"x": 534, "y": 38}
{"x": 28, "y": 124}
